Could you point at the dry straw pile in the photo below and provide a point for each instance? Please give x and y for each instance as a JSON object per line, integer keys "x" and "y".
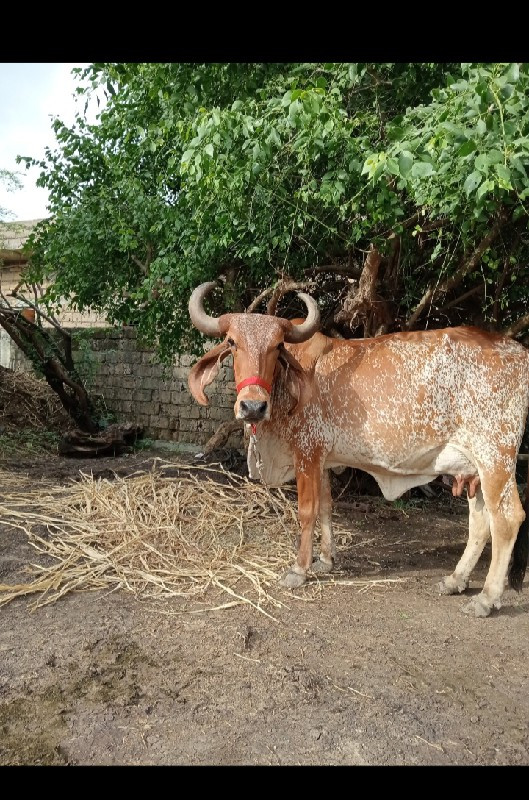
{"x": 28, "y": 402}
{"x": 200, "y": 534}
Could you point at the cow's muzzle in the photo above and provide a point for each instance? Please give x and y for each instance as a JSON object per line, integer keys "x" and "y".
{"x": 252, "y": 410}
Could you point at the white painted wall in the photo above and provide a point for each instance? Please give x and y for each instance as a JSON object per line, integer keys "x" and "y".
{"x": 6, "y": 350}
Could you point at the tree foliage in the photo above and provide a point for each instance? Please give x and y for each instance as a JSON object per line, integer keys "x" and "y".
{"x": 10, "y": 181}
{"x": 256, "y": 171}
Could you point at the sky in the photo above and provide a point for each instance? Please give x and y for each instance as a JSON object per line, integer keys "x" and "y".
{"x": 30, "y": 94}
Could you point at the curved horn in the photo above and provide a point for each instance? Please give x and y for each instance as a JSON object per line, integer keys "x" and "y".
{"x": 199, "y": 318}
{"x": 300, "y": 333}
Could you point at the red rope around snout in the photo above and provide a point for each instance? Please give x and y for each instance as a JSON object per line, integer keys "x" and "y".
{"x": 254, "y": 380}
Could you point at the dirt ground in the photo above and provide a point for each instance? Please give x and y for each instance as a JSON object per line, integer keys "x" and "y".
{"x": 395, "y": 675}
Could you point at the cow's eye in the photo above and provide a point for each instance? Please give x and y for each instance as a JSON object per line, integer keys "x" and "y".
{"x": 232, "y": 344}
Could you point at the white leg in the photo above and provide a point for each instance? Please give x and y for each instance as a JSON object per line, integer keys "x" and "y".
{"x": 505, "y": 516}
{"x": 478, "y": 534}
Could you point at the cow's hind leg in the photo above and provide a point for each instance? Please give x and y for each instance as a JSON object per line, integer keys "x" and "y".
{"x": 309, "y": 487}
{"x": 506, "y": 515}
{"x": 325, "y": 563}
{"x": 478, "y": 534}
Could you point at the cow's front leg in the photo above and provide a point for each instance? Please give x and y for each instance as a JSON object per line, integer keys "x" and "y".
{"x": 309, "y": 485}
{"x": 325, "y": 563}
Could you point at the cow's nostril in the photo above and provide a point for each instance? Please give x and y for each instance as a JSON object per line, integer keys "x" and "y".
{"x": 261, "y": 407}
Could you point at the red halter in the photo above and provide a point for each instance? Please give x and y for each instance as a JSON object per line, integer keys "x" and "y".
{"x": 254, "y": 380}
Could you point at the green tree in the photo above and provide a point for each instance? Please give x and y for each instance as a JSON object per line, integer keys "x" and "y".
{"x": 11, "y": 181}
{"x": 258, "y": 171}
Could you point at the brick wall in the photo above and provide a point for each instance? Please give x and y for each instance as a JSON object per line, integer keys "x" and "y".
{"x": 137, "y": 387}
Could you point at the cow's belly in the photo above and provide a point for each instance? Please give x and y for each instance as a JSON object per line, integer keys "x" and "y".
{"x": 270, "y": 460}
{"x": 397, "y": 476}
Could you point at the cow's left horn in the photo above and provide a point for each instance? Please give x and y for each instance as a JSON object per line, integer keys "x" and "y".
{"x": 199, "y": 318}
{"x": 300, "y": 333}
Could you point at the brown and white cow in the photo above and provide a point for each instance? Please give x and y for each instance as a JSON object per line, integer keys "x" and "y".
{"x": 404, "y": 407}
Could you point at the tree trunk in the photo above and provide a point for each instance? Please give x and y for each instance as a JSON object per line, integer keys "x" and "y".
{"x": 54, "y": 363}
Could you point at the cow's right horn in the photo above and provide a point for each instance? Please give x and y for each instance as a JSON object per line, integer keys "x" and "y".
{"x": 199, "y": 318}
{"x": 300, "y": 333}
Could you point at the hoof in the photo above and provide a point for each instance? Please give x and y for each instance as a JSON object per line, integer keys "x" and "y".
{"x": 478, "y": 607}
{"x": 451, "y": 585}
{"x": 291, "y": 579}
{"x": 322, "y": 567}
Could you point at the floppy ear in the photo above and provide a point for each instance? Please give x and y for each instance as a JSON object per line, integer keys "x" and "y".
{"x": 296, "y": 379}
{"x": 205, "y": 371}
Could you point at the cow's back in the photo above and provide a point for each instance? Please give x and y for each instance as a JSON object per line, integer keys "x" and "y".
{"x": 390, "y": 399}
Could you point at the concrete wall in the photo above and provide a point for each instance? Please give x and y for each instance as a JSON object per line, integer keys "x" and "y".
{"x": 13, "y": 261}
{"x": 67, "y": 317}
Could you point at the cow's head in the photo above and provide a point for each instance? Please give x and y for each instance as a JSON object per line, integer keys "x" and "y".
{"x": 256, "y": 343}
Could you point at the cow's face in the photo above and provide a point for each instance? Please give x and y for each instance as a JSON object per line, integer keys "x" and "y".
{"x": 256, "y": 343}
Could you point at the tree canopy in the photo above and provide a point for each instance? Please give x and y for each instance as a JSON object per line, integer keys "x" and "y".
{"x": 399, "y": 190}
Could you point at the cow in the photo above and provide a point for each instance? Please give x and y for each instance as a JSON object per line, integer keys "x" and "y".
{"x": 404, "y": 407}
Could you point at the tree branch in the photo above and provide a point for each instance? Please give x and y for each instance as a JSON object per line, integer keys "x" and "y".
{"x": 277, "y": 293}
{"x": 468, "y": 266}
{"x": 37, "y": 309}
{"x": 517, "y": 326}
{"x": 260, "y": 297}
{"x": 139, "y": 264}
{"x": 282, "y": 289}
{"x": 148, "y": 258}
{"x": 340, "y": 269}
{"x": 462, "y": 297}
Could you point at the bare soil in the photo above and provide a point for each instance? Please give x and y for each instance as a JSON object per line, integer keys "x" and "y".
{"x": 395, "y": 675}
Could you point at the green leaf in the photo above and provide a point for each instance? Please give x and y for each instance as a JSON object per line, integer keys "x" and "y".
{"x": 368, "y": 166}
{"x": 486, "y": 186}
{"x": 482, "y": 162}
{"x": 518, "y": 165}
{"x": 466, "y": 148}
{"x": 209, "y": 149}
{"x": 472, "y": 182}
{"x": 495, "y": 157}
{"x": 405, "y": 162}
{"x": 274, "y": 137}
{"x": 294, "y": 109}
{"x": 481, "y": 126}
{"x": 422, "y": 169}
{"x": 460, "y": 86}
{"x": 503, "y": 171}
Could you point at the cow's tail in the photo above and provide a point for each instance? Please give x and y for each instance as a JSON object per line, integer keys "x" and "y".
{"x": 521, "y": 546}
